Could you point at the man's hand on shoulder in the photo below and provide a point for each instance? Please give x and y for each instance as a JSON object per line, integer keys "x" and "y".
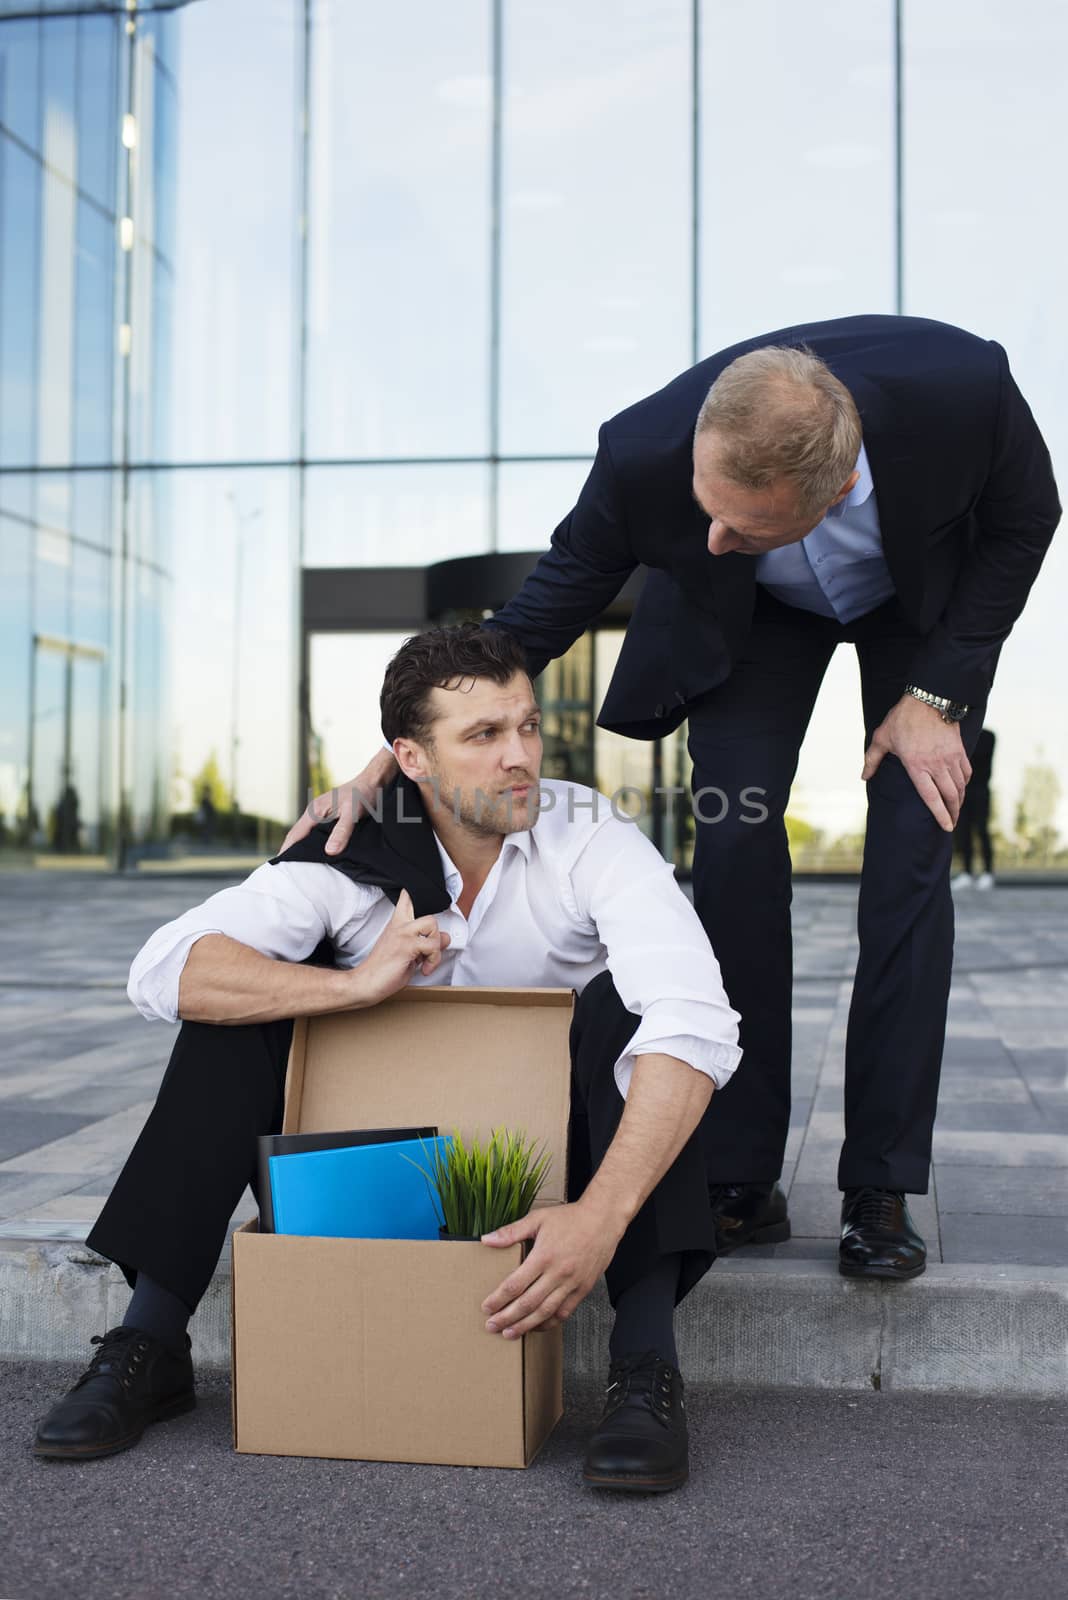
{"x": 573, "y": 1245}
{"x": 347, "y": 804}
{"x": 930, "y": 750}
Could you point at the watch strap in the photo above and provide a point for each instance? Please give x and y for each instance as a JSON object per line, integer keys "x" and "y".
{"x": 949, "y": 710}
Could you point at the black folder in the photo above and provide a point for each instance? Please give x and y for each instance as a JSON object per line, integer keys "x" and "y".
{"x": 286, "y": 1144}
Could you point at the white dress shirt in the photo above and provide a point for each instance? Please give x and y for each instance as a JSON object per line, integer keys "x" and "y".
{"x": 581, "y": 891}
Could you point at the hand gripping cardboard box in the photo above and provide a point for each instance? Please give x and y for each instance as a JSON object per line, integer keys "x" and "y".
{"x": 376, "y": 1349}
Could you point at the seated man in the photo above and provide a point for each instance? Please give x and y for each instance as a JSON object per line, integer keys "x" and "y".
{"x": 468, "y": 873}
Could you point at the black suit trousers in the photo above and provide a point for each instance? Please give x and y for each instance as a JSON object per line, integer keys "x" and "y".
{"x": 168, "y": 1212}
{"x": 746, "y": 735}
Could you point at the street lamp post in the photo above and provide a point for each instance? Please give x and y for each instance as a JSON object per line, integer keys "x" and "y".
{"x": 240, "y": 523}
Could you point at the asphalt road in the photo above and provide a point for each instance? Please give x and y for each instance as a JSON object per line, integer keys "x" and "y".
{"x": 793, "y": 1495}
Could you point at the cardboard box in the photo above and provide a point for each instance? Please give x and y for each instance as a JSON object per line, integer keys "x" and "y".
{"x": 376, "y": 1349}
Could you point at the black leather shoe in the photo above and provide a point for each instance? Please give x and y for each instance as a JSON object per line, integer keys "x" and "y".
{"x": 879, "y": 1238}
{"x": 748, "y": 1213}
{"x": 641, "y": 1442}
{"x": 131, "y": 1381}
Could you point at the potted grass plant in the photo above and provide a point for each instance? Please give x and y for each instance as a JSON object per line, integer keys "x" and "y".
{"x": 478, "y": 1188}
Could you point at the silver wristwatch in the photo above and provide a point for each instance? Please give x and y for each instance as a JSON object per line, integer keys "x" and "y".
{"x": 948, "y": 710}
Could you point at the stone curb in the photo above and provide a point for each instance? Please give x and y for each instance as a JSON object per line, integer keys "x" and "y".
{"x": 757, "y": 1324}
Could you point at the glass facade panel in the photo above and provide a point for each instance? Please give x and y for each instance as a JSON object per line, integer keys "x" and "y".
{"x": 94, "y": 338}
{"x": 16, "y": 604}
{"x": 20, "y": 80}
{"x": 236, "y": 232}
{"x": 596, "y": 215}
{"x": 59, "y": 89}
{"x": 213, "y": 661}
{"x": 98, "y": 87}
{"x": 390, "y": 516}
{"x": 399, "y": 225}
{"x": 533, "y": 497}
{"x": 55, "y": 334}
{"x": 20, "y": 199}
{"x": 796, "y": 164}
{"x": 986, "y": 249}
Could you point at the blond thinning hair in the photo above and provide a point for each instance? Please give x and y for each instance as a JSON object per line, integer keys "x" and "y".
{"x": 780, "y": 412}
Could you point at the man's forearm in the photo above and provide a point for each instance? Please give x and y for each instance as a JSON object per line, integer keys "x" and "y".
{"x": 665, "y": 1102}
{"x": 225, "y": 981}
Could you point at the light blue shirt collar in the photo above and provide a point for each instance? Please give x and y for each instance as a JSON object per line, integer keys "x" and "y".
{"x": 860, "y": 491}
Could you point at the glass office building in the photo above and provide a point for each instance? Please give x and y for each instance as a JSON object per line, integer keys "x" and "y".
{"x": 310, "y": 310}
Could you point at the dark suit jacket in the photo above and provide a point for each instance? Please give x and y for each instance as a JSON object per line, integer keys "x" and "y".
{"x": 963, "y": 483}
{"x": 391, "y": 848}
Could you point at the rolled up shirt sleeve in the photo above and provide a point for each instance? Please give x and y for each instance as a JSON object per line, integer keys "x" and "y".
{"x": 660, "y": 958}
{"x": 282, "y": 911}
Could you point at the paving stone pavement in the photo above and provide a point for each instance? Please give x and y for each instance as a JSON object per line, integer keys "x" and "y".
{"x": 79, "y": 1068}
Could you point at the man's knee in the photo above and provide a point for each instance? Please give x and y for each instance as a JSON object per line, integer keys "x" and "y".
{"x": 221, "y": 1052}
{"x": 902, "y": 829}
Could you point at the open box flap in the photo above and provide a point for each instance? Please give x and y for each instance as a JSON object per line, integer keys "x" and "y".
{"x": 466, "y": 1058}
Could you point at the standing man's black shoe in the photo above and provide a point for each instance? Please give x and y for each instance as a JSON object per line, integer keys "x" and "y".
{"x": 748, "y": 1213}
{"x": 641, "y": 1442}
{"x": 879, "y": 1238}
{"x": 131, "y": 1381}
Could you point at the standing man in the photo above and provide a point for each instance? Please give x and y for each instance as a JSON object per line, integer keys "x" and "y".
{"x": 877, "y": 481}
{"x": 973, "y": 824}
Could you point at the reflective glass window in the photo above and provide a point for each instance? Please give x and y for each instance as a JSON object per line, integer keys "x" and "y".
{"x": 986, "y": 240}
{"x": 16, "y": 626}
{"x": 55, "y": 338}
{"x": 395, "y": 516}
{"x": 235, "y": 233}
{"x": 52, "y": 556}
{"x": 213, "y": 662}
{"x": 91, "y": 558}
{"x": 596, "y": 218}
{"x": 399, "y": 220}
{"x": 20, "y": 199}
{"x": 94, "y": 337}
{"x": 533, "y": 498}
{"x": 20, "y": 84}
{"x": 59, "y": 55}
{"x": 98, "y": 108}
{"x": 796, "y": 164}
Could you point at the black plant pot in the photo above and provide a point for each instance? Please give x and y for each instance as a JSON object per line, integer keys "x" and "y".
{"x": 461, "y": 1238}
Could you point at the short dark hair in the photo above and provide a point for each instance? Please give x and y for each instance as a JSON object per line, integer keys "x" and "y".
{"x": 435, "y": 660}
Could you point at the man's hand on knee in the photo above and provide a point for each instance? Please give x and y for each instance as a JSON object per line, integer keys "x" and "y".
{"x": 573, "y": 1245}
{"x": 930, "y": 750}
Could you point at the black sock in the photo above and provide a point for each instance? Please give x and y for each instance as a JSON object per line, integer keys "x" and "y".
{"x": 645, "y": 1314}
{"x": 156, "y": 1311}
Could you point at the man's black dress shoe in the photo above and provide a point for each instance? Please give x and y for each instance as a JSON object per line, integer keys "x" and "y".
{"x": 131, "y": 1381}
{"x": 879, "y": 1238}
{"x": 641, "y": 1442}
{"x": 748, "y": 1213}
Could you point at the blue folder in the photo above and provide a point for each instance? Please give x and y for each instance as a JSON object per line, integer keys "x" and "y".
{"x": 366, "y": 1191}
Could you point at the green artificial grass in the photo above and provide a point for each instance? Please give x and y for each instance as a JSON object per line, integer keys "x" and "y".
{"x": 478, "y": 1188}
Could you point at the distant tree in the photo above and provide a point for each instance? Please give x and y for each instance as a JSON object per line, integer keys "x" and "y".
{"x": 802, "y": 835}
{"x": 320, "y": 777}
{"x": 1040, "y": 793}
{"x": 210, "y": 780}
